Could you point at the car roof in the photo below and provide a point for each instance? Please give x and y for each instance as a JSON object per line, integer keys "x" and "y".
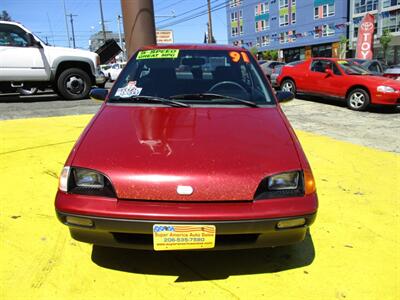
{"x": 194, "y": 47}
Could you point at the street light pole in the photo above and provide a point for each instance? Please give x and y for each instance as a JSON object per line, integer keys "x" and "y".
{"x": 120, "y": 35}
{"x": 103, "y": 27}
{"x": 71, "y": 16}
{"x": 66, "y": 25}
{"x": 139, "y": 25}
{"x": 210, "y": 31}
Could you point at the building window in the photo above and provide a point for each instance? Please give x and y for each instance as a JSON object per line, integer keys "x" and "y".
{"x": 236, "y": 23}
{"x": 234, "y": 3}
{"x": 263, "y": 41}
{"x": 287, "y": 37}
{"x": 262, "y": 25}
{"x": 391, "y": 21}
{"x": 283, "y": 3}
{"x": 362, "y": 6}
{"x": 261, "y": 9}
{"x": 293, "y": 2}
{"x": 389, "y": 3}
{"x": 283, "y": 20}
{"x": 324, "y": 11}
{"x": 293, "y": 18}
{"x": 327, "y": 30}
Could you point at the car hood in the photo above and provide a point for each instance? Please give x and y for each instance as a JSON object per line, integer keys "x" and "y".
{"x": 380, "y": 80}
{"x": 222, "y": 153}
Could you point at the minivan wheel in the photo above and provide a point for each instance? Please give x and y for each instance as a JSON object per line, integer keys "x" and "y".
{"x": 74, "y": 84}
{"x": 288, "y": 85}
{"x": 358, "y": 99}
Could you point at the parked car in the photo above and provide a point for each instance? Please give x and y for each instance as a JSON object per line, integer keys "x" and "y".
{"x": 393, "y": 72}
{"x": 375, "y": 66}
{"x": 114, "y": 71}
{"x": 269, "y": 66}
{"x": 277, "y": 71}
{"x": 173, "y": 162}
{"x": 28, "y": 64}
{"x": 340, "y": 79}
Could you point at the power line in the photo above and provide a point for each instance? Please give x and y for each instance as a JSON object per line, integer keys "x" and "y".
{"x": 194, "y": 16}
{"x": 170, "y": 5}
{"x": 187, "y": 12}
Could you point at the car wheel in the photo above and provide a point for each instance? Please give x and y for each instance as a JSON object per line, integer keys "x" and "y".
{"x": 358, "y": 99}
{"x": 27, "y": 91}
{"x": 74, "y": 84}
{"x": 288, "y": 85}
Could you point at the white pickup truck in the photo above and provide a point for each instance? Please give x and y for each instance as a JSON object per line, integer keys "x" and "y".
{"x": 26, "y": 62}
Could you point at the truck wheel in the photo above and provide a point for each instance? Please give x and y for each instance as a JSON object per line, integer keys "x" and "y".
{"x": 74, "y": 84}
{"x": 288, "y": 86}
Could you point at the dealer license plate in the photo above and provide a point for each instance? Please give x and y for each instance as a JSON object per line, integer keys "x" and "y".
{"x": 183, "y": 237}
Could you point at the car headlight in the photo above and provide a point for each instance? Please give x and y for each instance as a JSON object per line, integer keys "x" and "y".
{"x": 88, "y": 178}
{"x": 283, "y": 181}
{"x": 86, "y": 182}
{"x": 385, "y": 89}
{"x": 286, "y": 184}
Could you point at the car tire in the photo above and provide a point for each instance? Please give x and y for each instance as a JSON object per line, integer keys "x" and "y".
{"x": 358, "y": 99}
{"x": 27, "y": 91}
{"x": 288, "y": 85}
{"x": 74, "y": 84}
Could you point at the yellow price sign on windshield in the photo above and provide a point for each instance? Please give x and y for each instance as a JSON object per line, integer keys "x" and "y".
{"x": 158, "y": 54}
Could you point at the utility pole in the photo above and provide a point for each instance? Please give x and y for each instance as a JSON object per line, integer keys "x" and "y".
{"x": 71, "y": 16}
{"x": 210, "y": 31}
{"x": 66, "y": 25}
{"x": 139, "y": 27}
{"x": 103, "y": 27}
{"x": 120, "y": 35}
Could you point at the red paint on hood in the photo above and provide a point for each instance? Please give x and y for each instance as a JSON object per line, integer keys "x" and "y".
{"x": 222, "y": 152}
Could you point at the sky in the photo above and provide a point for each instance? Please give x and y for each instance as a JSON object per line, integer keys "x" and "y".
{"x": 46, "y": 18}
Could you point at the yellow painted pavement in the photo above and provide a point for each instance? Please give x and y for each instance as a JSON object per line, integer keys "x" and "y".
{"x": 352, "y": 253}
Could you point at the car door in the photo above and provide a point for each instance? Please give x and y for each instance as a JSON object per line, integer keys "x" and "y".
{"x": 20, "y": 61}
{"x": 315, "y": 76}
{"x": 332, "y": 85}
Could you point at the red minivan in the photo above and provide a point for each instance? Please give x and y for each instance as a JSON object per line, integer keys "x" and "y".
{"x": 190, "y": 150}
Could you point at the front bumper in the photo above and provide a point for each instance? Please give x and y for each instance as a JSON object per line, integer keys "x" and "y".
{"x": 386, "y": 98}
{"x": 239, "y": 224}
{"x": 100, "y": 78}
{"x": 138, "y": 234}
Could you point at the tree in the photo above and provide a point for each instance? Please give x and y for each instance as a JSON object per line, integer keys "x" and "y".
{"x": 4, "y": 16}
{"x": 385, "y": 40}
{"x": 270, "y": 54}
{"x": 254, "y": 51}
{"x": 343, "y": 46}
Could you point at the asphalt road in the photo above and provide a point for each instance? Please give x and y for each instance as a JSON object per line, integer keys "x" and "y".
{"x": 377, "y": 128}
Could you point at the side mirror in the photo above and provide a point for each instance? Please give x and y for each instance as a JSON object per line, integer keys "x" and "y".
{"x": 329, "y": 72}
{"x": 284, "y": 96}
{"x": 33, "y": 42}
{"x": 98, "y": 94}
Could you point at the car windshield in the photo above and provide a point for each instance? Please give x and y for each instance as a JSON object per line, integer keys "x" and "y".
{"x": 352, "y": 69}
{"x": 192, "y": 76}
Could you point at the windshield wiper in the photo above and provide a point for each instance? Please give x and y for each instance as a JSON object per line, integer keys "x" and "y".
{"x": 212, "y": 96}
{"x": 152, "y": 99}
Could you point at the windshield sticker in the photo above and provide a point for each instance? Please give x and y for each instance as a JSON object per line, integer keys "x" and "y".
{"x": 235, "y": 56}
{"x": 342, "y": 62}
{"x": 158, "y": 54}
{"x": 129, "y": 90}
{"x": 245, "y": 57}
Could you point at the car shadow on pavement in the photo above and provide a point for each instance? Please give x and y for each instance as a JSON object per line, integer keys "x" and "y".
{"x": 206, "y": 265}
{"x": 380, "y": 109}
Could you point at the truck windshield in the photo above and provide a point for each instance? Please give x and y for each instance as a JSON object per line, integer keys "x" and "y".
{"x": 192, "y": 76}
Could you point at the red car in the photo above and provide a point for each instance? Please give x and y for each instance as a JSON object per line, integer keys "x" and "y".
{"x": 340, "y": 79}
{"x": 190, "y": 150}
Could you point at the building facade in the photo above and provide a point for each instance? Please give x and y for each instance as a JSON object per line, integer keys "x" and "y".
{"x": 300, "y": 28}
{"x": 387, "y": 17}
